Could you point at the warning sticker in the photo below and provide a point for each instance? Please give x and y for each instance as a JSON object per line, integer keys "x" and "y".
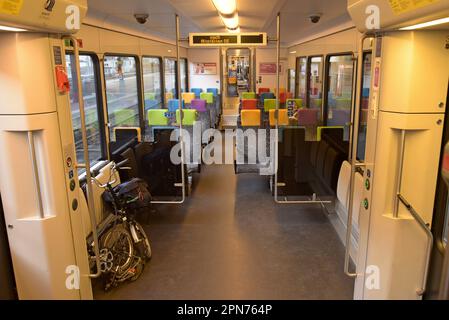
{"x": 12, "y": 7}
{"x": 403, "y": 6}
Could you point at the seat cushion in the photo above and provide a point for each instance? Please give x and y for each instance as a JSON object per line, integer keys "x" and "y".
{"x": 283, "y": 118}
{"x": 190, "y": 116}
{"x": 156, "y": 117}
{"x": 208, "y": 96}
{"x": 250, "y": 118}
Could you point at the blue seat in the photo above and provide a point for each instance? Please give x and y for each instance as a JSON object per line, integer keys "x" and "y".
{"x": 197, "y": 92}
{"x": 173, "y": 105}
{"x": 214, "y": 91}
{"x": 151, "y": 104}
{"x": 266, "y": 95}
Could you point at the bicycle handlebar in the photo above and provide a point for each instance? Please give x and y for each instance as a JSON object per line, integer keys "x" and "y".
{"x": 114, "y": 171}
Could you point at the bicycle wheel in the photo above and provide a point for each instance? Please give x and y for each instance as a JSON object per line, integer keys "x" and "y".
{"x": 143, "y": 246}
{"x": 119, "y": 242}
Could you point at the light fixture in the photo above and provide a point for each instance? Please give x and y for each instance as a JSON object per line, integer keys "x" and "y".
{"x": 231, "y": 23}
{"x": 427, "y": 24}
{"x": 6, "y": 28}
{"x": 292, "y": 52}
{"x": 226, "y": 7}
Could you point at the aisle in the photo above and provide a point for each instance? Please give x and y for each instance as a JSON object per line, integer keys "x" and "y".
{"x": 231, "y": 241}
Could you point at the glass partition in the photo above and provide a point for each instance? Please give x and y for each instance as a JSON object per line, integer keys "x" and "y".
{"x": 301, "y": 73}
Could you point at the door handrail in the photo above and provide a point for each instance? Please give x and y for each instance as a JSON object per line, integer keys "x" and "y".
{"x": 424, "y": 226}
{"x": 86, "y": 164}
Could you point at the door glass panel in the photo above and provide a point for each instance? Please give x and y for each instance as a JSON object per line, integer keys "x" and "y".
{"x": 90, "y": 89}
{"x": 316, "y": 83}
{"x": 366, "y": 85}
{"x": 121, "y": 93}
{"x": 170, "y": 78}
{"x": 183, "y": 75}
{"x": 302, "y": 79}
{"x": 291, "y": 80}
{"x": 339, "y": 95}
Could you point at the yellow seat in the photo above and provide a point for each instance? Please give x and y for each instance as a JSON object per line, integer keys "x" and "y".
{"x": 188, "y": 97}
{"x": 168, "y": 96}
{"x": 282, "y": 119}
{"x": 250, "y": 118}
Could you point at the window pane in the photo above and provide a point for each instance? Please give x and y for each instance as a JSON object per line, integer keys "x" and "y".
{"x": 88, "y": 79}
{"x": 184, "y": 75}
{"x": 302, "y": 79}
{"x": 341, "y": 70}
{"x": 291, "y": 80}
{"x": 121, "y": 92}
{"x": 364, "y": 107}
{"x": 316, "y": 83}
{"x": 152, "y": 82}
{"x": 170, "y": 77}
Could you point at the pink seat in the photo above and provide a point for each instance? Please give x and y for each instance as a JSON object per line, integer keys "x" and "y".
{"x": 308, "y": 117}
{"x": 249, "y": 104}
{"x": 199, "y": 105}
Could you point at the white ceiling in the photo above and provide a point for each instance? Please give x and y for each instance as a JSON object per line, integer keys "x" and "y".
{"x": 201, "y": 16}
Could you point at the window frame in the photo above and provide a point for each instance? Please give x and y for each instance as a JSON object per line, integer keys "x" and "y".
{"x": 326, "y": 83}
{"x": 162, "y": 78}
{"x": 99, "y": 97}
{"x": 139, "y": 87}
{"x": 176, "y": 73}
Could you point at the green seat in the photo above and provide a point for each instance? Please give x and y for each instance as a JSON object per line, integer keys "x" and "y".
{"x": 156, "y": 117}
{"x": 248, "y": 95}
{"x": 190, "y": 117}
{"x": 124, "y": 117}
{"x": 208, "y": 96}
{"x": 269, "y": 104}
{"x": 298, "y": 102}
{"x": 150, "y": 96}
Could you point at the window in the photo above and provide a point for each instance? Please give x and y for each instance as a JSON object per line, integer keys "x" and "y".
{"x": 291, "y": 80}
{"x": 152, "y": 86}
{"x": 315, "y": 98}
{"x": 366, "y": 85}
{"x": 171, "y": 80}
{"x": 301, "y": 86}
{"x": 339, "y": 95}
{"x": 170, "y": 77}
{"x": 122, "y": 92}
{"x": 88, "y": 66}
{"x": 184, "y": 75}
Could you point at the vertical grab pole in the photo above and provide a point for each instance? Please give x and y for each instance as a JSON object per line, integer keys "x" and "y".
{"x": 354, "y": 164}
{"x": 278, "y": 62}
{"x": 181, "y": 112}
{"x": 90, "y": 195}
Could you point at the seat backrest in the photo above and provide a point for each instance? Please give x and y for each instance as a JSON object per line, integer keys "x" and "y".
{"x": 156, "y": 117}
{"x": 282, "y": 119}
{"x": 308, "y": 117}
{"x": 209, "y": 97}
{"x": 188, "y": 97}
{"x": 249, "y": 95}
{"x": 199, "y": 105}
{"x": 214, "y": 91}
{"x": 269, "y": 104}
{"x": 250, "y": 118}
{"x": 266, "y": 95}
{"x": 249, "y": 104}
{"x": 173, "y": 105}
{"x": 263, "y": 90}
{"x": 190, "y": 117}
{"x": 197, "y": 92}
{"x": 168, "y": 96}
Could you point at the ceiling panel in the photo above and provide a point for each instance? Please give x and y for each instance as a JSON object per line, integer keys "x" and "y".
{"x": 201, "y": 16}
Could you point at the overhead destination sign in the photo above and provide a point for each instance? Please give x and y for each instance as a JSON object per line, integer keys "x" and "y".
{"x": 227, "y": 40}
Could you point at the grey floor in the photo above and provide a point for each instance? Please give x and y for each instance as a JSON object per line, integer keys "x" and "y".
{"x": 231, "y": 241}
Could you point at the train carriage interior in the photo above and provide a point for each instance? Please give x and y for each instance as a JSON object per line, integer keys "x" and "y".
{"x": 224, "y": 150}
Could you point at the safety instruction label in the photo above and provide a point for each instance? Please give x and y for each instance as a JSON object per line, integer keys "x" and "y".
{"x": 403, "y": 6}
{"x": 12, "y": 7}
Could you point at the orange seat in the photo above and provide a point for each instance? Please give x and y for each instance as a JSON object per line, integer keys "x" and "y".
{"x": 249, "y": 104}
{"x": 282, "y": 118}
{"x": 264, "y": 90}
{"x": 250, "y": 118}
